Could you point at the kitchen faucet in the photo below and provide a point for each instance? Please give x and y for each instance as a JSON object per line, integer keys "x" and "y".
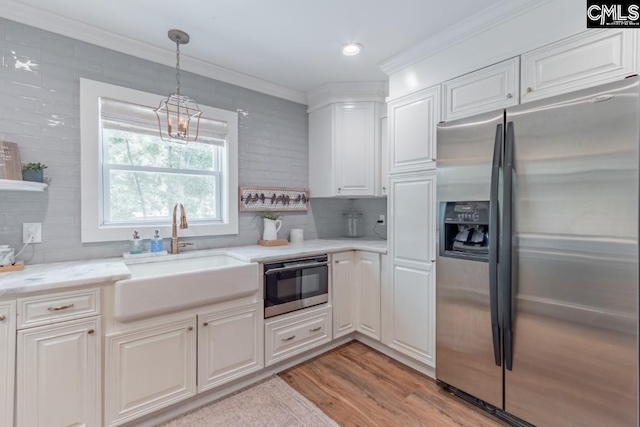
{"x": 175, "y": 244}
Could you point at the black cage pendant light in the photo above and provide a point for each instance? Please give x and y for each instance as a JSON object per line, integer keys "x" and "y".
{"x": 178, "y": 115}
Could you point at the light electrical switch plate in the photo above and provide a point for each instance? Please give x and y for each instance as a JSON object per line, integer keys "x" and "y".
{"x": 32, "y": 228}
{"x": 382, "y": 219}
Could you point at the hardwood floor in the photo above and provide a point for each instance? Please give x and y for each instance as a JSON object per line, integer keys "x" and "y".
{"x": 358, "y": 386}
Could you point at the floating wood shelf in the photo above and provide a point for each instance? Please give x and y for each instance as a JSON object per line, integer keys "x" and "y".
{"x": 15, "y": 185}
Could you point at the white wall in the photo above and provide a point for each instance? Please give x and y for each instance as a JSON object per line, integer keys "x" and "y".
{"x": 547, "y": 23}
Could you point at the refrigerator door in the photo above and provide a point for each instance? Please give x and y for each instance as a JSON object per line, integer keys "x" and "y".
{"x": 466, "y": 350}
{"x": 574, "y": 275}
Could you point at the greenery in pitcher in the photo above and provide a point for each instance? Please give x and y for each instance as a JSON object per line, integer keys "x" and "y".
{"x": 269, "y": 215}
{"x": 34, "y": 166}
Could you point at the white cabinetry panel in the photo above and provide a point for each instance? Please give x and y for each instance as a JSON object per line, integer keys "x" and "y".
{"x": 343, "y": 287}
{"x": 59, "y": 375}
{"x": 7, "y": 361}
{"x": 585, "y": 60}
{"x": 368, "y": 293}
{"x": 148, "y": 369}
{"x": 412, "y": 131}
{"x": 384, "y": 156}
{"x": 230, "y": 345}
{"x": 484, "y": 90}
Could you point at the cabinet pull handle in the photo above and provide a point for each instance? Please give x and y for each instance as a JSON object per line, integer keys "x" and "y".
{"x": 205, "y": 324}
{"x": 433, "y": 260}
{"x": 384, "y": 188}
{"x": 315, "y": 329}
{"x": 190, "y": 328}
{"x": 529, "y": 90}
{"x": 90, "y": 331}
{"x": 289, "y": 339}
{"x": 62, "y": 307}
{"x": 433, "y": 159}
{"x": 509, "y": 95}
{"x": 2, "y": 317}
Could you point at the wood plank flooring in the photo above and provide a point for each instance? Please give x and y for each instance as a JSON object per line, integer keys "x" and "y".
{"x": 358, "y": 386}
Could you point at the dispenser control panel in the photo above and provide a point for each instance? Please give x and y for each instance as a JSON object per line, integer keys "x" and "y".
{"x": 464, "y": 230}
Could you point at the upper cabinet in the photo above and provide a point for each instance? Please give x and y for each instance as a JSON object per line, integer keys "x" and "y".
{"x": 582, "y": 61}
{"x": 345, "y": 138}
{"x": 484, "y": 90}
{"x": 412, "y": 131}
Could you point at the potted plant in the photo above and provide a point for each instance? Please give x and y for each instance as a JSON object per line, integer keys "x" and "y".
{"x": 33, "y": 172}
{"x": 272, "y": 224}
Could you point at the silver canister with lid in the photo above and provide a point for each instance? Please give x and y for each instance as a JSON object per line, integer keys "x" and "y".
{"x": 352, "y": 223}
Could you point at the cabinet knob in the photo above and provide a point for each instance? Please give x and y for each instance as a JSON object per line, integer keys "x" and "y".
{"x": 433, "y": 260}
{"x": 384, "y": 188}
{"x": 529, "y": 90}
{"x": 90, "y": 331}
{"x": 339, "y": 189}
{"x": 433, "y": 159}
{"x": 509, "y": 95}
{"x": 205, "y": 324}
{"x": 3, "y": 317}
{"x": 190, "y": 328}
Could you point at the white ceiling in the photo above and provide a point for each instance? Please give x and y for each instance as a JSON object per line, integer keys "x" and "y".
{"x": 292, "y": 43}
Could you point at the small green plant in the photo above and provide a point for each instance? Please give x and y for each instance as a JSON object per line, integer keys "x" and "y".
{"x": 33, "y": 166}
{"x": 269, "y": 215}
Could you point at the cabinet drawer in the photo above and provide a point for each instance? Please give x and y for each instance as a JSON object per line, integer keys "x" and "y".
{"x": 296, "y": 334}
{"x": 46, "y": 309}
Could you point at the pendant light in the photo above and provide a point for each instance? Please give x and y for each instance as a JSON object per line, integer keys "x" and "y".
{"x": 178, "y": 115}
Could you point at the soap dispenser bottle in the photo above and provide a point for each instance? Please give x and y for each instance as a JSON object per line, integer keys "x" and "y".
{"x": 156, "y": 243}
{"x": 135, "y": 245}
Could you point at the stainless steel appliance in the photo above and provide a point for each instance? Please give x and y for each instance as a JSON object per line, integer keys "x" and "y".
{"x": 537, "y": 315}
{"x": 294, "y": 284}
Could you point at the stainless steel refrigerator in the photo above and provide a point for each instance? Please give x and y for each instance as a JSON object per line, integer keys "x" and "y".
{"x": 537, "y": 260}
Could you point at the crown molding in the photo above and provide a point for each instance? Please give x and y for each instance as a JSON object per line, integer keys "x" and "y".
{"x": 33, "y": 16}
{"x": 346, "y": 92}
{"x": 463, "y": 30}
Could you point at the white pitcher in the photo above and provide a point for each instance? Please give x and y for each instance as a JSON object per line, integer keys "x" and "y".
{"x": 271, "y": 228}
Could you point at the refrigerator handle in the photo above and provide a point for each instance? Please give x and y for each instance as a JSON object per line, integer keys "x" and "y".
{"x": 493, "y": 243}
{"x": 507, "y": 229}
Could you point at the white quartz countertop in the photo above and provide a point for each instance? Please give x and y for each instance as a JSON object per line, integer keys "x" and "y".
{"x": 62, "y": 275}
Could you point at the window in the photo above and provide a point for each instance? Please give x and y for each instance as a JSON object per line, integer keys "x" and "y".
{"x": 138, "y": 177}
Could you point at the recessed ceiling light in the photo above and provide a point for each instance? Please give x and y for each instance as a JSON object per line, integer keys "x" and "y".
{"x": 351, "y": 49}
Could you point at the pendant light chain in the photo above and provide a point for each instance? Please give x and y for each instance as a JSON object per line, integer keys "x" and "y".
{"x": 178, "y": 66}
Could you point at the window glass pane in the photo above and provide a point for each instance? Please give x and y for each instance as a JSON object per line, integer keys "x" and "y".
{"x": 141, "y": 196}
{"x": 134, "y": 149}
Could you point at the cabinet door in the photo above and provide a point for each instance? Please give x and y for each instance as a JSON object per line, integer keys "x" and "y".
{"x": 148, "y": 369}
{"x": 368, "y": 295}
{"x": 230, "y": 345}
{"x": 588, "y": 59}
{"x": 7, "y": 361}
{"x": 409, "y": 300}
{"x": 354, "y": 148}
{"x": 59, "y": 375}
{"x": 412, "y": 131}
{"x": 343, "y": 294}
{"x": 484, "y": 90}
{"x": 384, "y": 156}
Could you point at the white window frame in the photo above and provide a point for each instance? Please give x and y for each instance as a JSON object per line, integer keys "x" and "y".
{"x": 90, "y": 158}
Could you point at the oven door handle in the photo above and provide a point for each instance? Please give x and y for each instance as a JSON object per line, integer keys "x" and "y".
{"x": 295, "y": 267}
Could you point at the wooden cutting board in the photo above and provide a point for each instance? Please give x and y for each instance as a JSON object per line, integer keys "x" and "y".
{"x": 276, "y": 242}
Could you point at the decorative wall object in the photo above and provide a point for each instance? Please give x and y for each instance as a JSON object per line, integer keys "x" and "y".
{"x": 10, "y": 164}
{"x": 282, "y": 199}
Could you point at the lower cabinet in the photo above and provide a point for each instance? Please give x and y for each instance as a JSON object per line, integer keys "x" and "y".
{"x": 59, "y": 375}
{"x": 292, "y": 334}
{"x": 7, "y": 361}
{"x": 367, "y": 280}
{"x": 148, "y": 369}
{"x": 230, "y": 345}
{"x": 343, "y": 293}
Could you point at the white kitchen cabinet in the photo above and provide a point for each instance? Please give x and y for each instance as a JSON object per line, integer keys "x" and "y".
{"x": 230, "y": 345}
{"x": 367, "y": 280}
{"x": 408, "y": 302}
{"x": 294, "y": 333}
{"x": 344, "y": 149}
{"x": 412, "y": 131}
{"x": 384, "y": 156}
{"x": 344, "y": 297}
{"x": 59, "y": 375}
{"x": 585, "y": 60}
{"x": 149, "y": 368}
{"x": 488, "y": 89}
{"x": 7, "y": 361}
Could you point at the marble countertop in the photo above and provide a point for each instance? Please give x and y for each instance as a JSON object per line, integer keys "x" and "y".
{"x": 62, "y": 275}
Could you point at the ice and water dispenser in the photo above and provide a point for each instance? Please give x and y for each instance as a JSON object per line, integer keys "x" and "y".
{"x": 464, "y": 230}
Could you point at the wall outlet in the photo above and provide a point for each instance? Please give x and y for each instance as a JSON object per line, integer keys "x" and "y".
{"x": 382, "y": 219}
{"x": 32, "y": 228}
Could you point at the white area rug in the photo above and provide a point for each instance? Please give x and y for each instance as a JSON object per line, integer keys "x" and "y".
{"x": 272, "y": 403}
